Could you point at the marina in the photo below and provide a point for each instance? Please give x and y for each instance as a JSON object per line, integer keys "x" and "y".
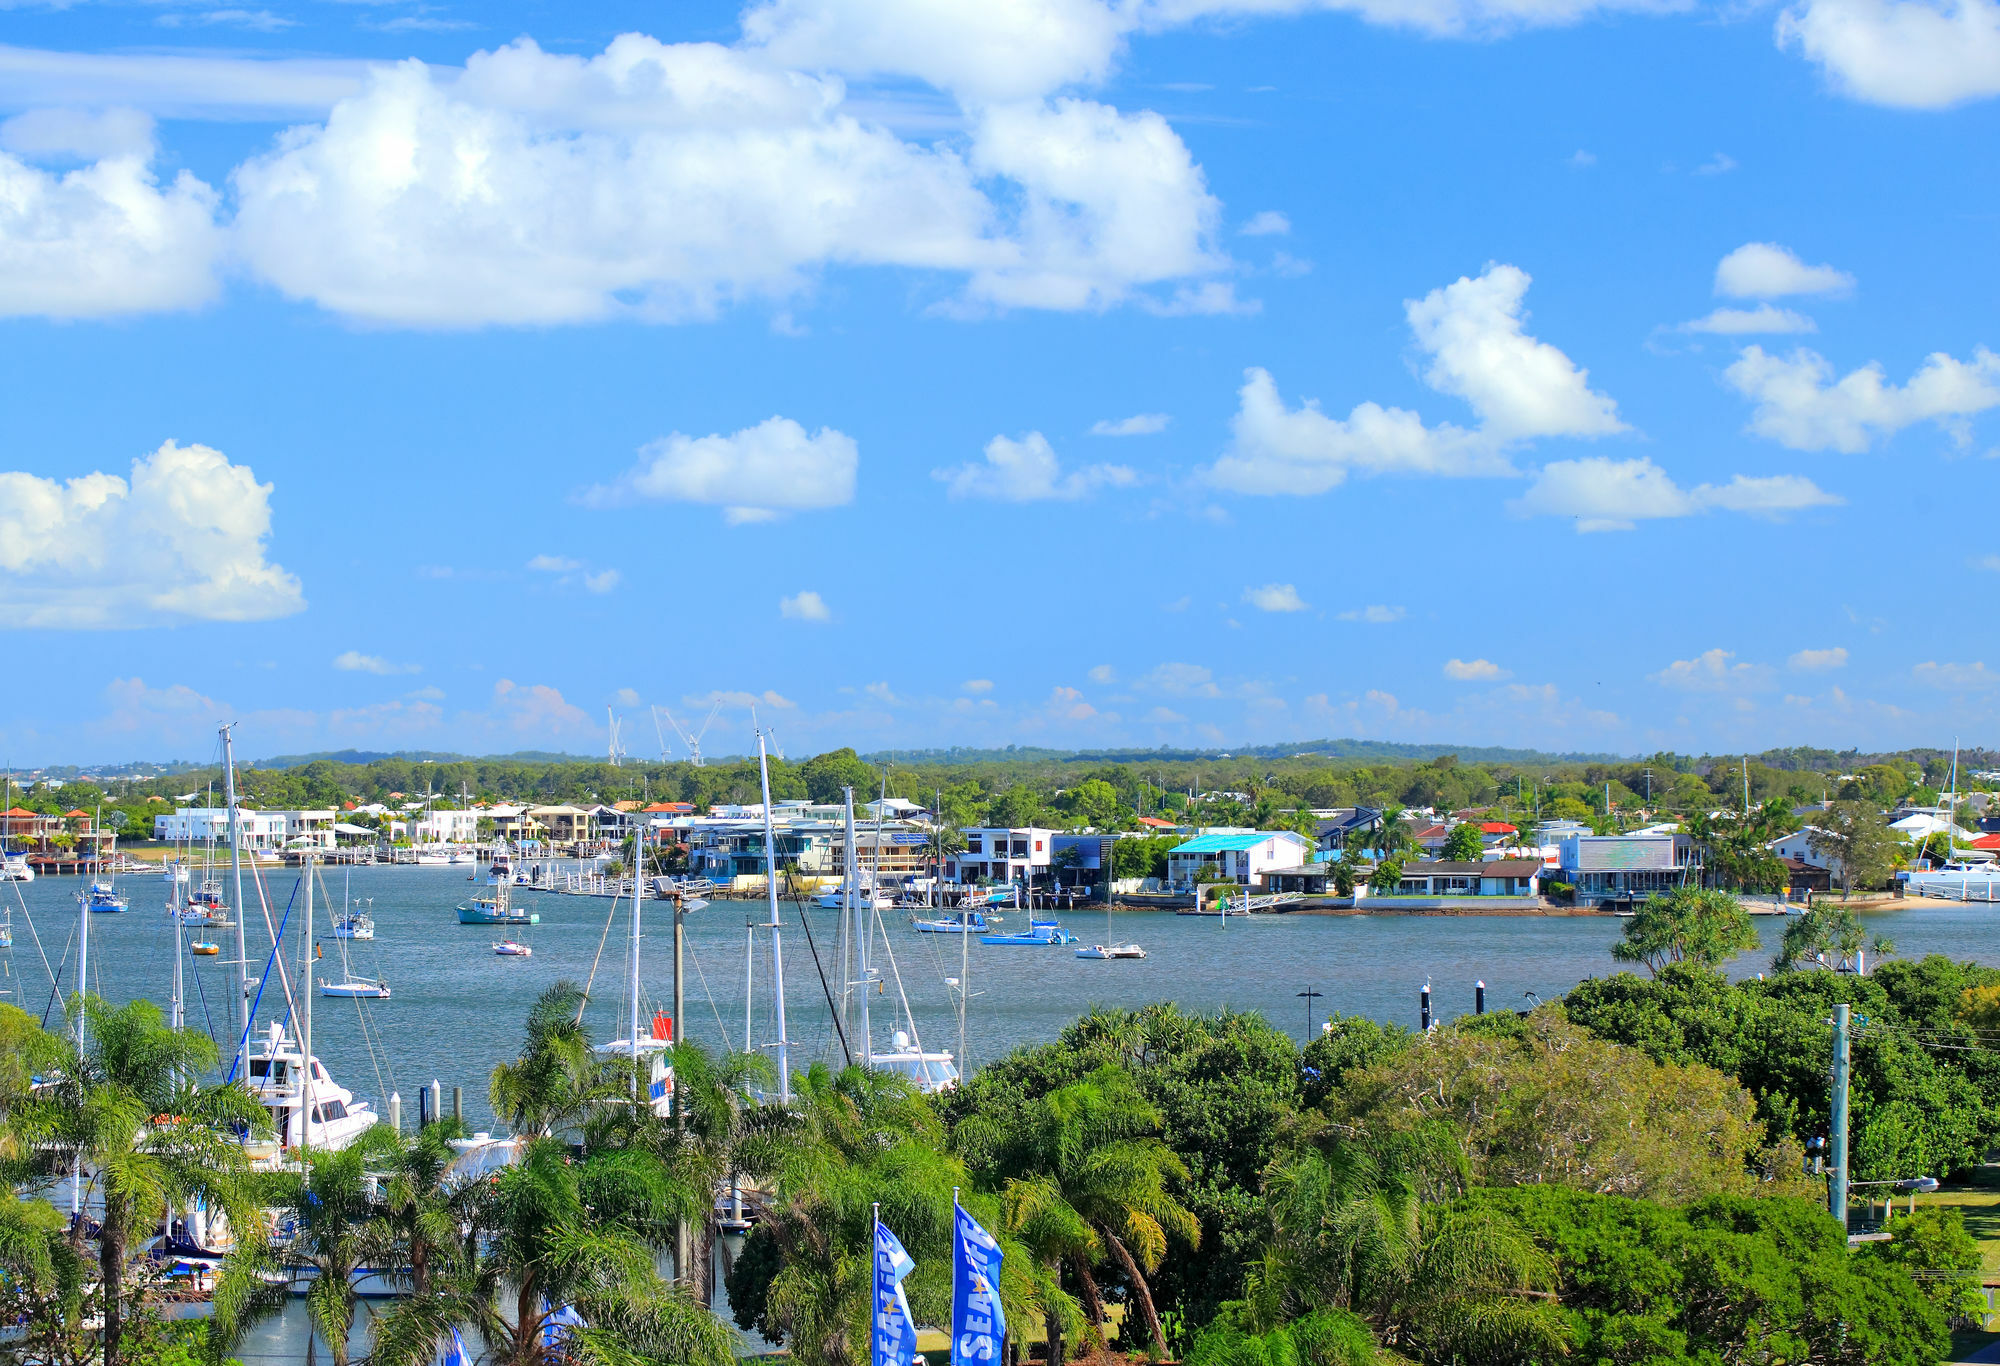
{"x": 457, "y": 1007}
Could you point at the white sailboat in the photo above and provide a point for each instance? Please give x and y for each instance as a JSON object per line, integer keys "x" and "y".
{"x": 1110, "y": 948}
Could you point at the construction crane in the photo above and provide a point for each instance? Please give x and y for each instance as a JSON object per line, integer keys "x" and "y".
{"x": 693, "y": 742}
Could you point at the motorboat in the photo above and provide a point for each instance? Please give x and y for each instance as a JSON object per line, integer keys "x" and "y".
{"x": 14, "y": 868}
{"x": 1111, "y": 951}
{"x": 932, "y": 1072}
{"x": 507, "y": 948}
{"x": 102, "y": 898}
{"x": 354, "y": 926}
{"x": 499, "y": 908}
{"x": 281, "y": 1084}
{"x": 355, "y": 989}
{"x": 867, "y": 898}
{"x": 966, "y": 922}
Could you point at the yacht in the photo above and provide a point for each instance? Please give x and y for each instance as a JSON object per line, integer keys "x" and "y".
{"x": 353, "y": 926}
{"x": 103, "y": 898}
{"x": 932, "y": 1072}
{"x": 965, "y": 922}
{"x": 866, "y": 897}
{"x": 355, "y": 989}
{"x": 277, "y": 1079}
{"x": 14, "y": 868}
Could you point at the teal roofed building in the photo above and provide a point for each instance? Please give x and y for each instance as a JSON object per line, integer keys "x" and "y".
{"x": 1243, "y": 857}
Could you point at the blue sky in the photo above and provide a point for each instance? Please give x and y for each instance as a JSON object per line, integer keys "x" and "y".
{"x": 1585, "y": 376}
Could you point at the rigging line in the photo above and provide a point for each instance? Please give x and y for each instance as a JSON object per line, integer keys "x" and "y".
{"x": 250, "y": 1016}
{"x": 825, "y": 990}
{"x": 202, "y": 991}
{"x": 609, "y": 916}
{"x": 713, "y": 1009}
{"x": 55, "y": 989}
{"x": 34, "y": 935}
{"x": 360, "y": 1017}
{"x": 908, "y": 1015}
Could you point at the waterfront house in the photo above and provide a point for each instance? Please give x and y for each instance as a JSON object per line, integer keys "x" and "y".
{"x": 199, "y": 824}
{"x": 1488, "y": 877}
{"x": 1244, "y": 858}
{"x": 1331, "y": 830}
{"x": 305, "y": 829}
{"x": 1001, "y": 854}
{"x": 564, "y": 824}
{"x": 1430, "y": 838}
{"x": 443, "y": 826}
{"x": 1628, "y": 867}
{"x": 1797, "y": 846}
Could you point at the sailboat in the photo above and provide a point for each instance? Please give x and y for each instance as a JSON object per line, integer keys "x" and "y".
{"x": 508, "y": 948}
{"x": 1110, "y": 948}
{"x": 349, "y": 986}
{"x": 965, "y": 922}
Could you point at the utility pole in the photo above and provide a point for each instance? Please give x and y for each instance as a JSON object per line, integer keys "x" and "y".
{"x": 1836, "y": 1186}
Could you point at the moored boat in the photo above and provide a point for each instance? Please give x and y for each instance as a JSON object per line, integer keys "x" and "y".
{"x": 355, "y": 989}
{"x": 507, "y": 948}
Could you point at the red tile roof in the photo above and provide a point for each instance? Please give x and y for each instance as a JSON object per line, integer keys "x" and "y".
{"x": 1156, "y": 823}
{"x": 1987, "y": 842}
{"x": 76, "y": 815}
{"x": 1497, "y": 828}
{"x": 20, "y": 812}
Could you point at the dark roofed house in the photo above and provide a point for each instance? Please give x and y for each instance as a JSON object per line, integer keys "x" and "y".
{"x": 1330, "y": 832}
{"x": 1449, "y": 877}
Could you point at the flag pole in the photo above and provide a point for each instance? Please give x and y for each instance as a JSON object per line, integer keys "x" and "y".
{"x": 875, "y": 1287}
{"x": 957, "y": 1256}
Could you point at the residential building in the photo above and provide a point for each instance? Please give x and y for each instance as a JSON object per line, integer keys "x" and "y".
{"x": 1240, "y": 858}
{"x": 199, "y": 824}
{"x": 1628, "y": 867}
{"x": 441, "y": 826}
{"x": 1489, "y": 877}
{"x": 1798, "y": 846}
{"x": 564, "y": 824}
{"x": 1332, "y": 830}
{"x": 996, "y": 854}
{"x": 305, "y": 829}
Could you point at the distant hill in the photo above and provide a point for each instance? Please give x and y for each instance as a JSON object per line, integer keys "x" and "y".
{"x": 416, "y": 756}
{"x": 1310, "y": 749}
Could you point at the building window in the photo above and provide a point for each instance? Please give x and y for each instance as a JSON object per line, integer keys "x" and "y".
{"x": 975, "y": 844}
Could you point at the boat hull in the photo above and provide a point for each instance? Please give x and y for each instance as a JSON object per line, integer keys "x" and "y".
{"x": 476, "y": 915}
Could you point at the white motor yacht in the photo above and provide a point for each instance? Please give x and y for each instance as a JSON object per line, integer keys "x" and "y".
{"x": 931, "y": 1071}
{"x": 277, "y": 1079}
{"x": 14, "y": 868}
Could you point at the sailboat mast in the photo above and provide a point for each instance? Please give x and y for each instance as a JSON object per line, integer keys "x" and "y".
{"x": 859, "y": 933}
{"x": 777, "y": 949}
{"x": 638, "y": 893}
{"x": 239, "y": 999}
{"x": 307, "y": 986}
{"x": 176, "y": 901}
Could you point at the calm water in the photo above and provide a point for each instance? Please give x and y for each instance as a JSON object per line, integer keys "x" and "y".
{"x": 457, "y": 1009}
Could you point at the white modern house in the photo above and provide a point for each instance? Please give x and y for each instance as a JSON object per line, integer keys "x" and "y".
{"x": 995, "y": 854}
{"x": 445, "y": 827}
{"x": 1243, "y": 858}
{"x": 200, "y": 824}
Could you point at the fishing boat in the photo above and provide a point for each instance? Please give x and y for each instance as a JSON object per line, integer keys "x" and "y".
{"x": 499, "y": 908}
{"x": 355, "y": 990}
{"x": 204, "y": 948}
{"x": 507, "y": 948}
{"x": 965, "y": 922}
{"x": 103, "y": 899}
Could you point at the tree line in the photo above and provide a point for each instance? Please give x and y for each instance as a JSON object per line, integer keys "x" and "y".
{"x": 1616, "y": 1177}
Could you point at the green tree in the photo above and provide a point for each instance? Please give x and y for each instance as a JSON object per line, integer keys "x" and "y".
{"x": 339, "y": 1231}
{"x": 126, "y": 1103}
{"x": 1093, "y": 803}
{"x": 1387, "y": 876}
{"x": 826, "y": 774}
{"x": 1085, "y": 1161}
{"x": 1703, "y": 926}
{"x": 1934, "y": 1241}
{"x": 1018, "y": 807}
{"x": 1827, "y": 937}
{"x": 1856, "y": 844}
{"x": 556, "y": 1080}
{"x": 1463, "y": 844}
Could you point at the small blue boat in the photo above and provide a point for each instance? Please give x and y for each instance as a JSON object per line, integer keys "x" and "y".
{"x": 1041, "y": 932}
{"x": 103, "y": 899}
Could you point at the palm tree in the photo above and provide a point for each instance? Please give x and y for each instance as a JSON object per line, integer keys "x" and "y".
{"x": 426, "y": 1213}
{"x": 1366, "y": 1226}
{"x": 123, "y": 1109}
{"x": 555, "y": 1081}
{"x": 43, "y": 1285}
{"x": 1827, "y": 937}
{"x": 555, "y": 1234}
{"x": 340, "y": 1231}
{"x": 1091, "y": 1179}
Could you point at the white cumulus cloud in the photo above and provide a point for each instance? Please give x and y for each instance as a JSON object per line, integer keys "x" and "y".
{"x": 1716, "y": 670}
{"x": 1375, "y": 614}
{"x": 804, "y": 606}
{"x": 103, "y": 239}
{"x": 1737, "y": 322}
{"x": 1800, "y": 404}
{"x": 1765, "y": 270}
{"x": 1973, "y": 677}
{"x": 773, "y": 467}
{"x": 1474, "y": 671}
{"x": 353, "y": 661}
{"x": 1909, "y": 54}
{"x": 1479, "y": 350}
{"x": 1027, "y": 471}
{"x": 1275, "y": 597}
{"x": 1139, "y": 424}
{"x": 182, "y": 540}
{"x": 1615, "y": 495}
{"x": 1818, "y": 661}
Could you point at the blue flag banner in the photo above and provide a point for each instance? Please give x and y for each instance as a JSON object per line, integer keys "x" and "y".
{"x": 455, "y": 1354}
{"x": 895, "y": 1332}
{"x": 978, "y": 1323}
